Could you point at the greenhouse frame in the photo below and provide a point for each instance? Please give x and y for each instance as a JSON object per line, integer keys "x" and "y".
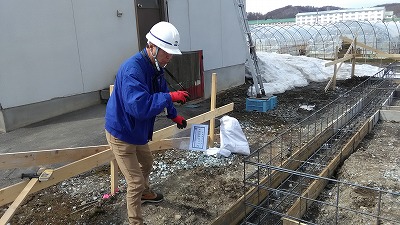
{"x": 320, "y": 41}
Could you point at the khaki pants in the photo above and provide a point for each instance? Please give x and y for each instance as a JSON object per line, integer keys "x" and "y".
{"x": 136, "y": 166}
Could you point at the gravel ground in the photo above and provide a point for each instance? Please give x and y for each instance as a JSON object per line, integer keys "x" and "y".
{"x": 197, "y": 188}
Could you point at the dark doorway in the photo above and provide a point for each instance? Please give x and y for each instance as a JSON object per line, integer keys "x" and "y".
{"x": 149, "y": 12}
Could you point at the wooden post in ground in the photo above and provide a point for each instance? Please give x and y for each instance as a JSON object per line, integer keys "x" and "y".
{"x": 345, "y": 58}
{"x": 212, "y": 107}
{"x": 113, "y": 166}
{"x": 335, "y": 68}
{"x": 353, "y": 62}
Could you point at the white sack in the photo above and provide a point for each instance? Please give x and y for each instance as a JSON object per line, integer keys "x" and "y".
{"x": 232, "y": 136}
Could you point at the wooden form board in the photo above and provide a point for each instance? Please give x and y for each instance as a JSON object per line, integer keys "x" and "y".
{"x": 47, "y": 157}
{"x": 8, "y": 194}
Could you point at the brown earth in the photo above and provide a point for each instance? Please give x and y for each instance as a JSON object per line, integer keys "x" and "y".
{"x": 197, "y": 188}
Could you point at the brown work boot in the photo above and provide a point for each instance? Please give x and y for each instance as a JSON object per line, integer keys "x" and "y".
{"x": 152, "y": 197}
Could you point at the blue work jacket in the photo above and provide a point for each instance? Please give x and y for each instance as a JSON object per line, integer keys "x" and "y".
{"x": 140, "y": 94}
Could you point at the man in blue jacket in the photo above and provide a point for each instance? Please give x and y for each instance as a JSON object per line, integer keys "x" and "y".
{"x": 140, "y": 94}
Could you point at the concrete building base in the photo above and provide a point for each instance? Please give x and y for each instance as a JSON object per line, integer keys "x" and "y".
{"x": 227, "y": 77}
{"x": 20, "y": 116}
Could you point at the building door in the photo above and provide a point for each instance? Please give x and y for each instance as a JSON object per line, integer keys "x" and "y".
{"x": 149, "y": 12}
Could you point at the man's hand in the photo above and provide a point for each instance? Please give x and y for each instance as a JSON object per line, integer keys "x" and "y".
{"x": 180, "y": 122}
{"x": 180, "y": 96}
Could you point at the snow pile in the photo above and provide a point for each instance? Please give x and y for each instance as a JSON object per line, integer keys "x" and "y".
{"x": 284, "y": 72}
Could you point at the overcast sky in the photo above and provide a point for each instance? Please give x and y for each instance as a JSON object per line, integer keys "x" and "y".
{"x": 264, "y": 6}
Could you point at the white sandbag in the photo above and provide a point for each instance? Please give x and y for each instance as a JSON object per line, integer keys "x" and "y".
{"x": 232, "y": 136}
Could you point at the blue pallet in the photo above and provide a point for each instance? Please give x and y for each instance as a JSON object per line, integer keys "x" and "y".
{"x": 261, "y": 104}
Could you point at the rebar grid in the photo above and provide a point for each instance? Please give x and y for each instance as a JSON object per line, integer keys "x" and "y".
{"x": 270, "y": 192}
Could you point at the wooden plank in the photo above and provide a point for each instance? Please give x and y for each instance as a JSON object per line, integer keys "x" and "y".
{"x": 387, "y": 55}
{"x": 353, "y": 61}
{"x": 346, "y": 39}
{"x": 345, "y": 58}
{"x": 114, "y": 176}
{"x": 111, "y": 89}
{"x": 212, "y": 107}
{"x": 336, "y": 68}
{"x": 171, "y": 130}
{"x": 47, "y": 157}
{"x": 8, "y": 194}
{"x": 113, "y": 166}
{"x": 18, "y": 201}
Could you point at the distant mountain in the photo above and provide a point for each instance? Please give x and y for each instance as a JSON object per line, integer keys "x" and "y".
{"x": 291, "y": 11}
{"x": 395, "y": 7}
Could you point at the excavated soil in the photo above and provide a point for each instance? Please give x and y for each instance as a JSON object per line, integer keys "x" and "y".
{"x": 199, "y": 188}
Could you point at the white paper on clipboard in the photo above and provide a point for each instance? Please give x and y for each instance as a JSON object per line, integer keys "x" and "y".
{"x": 198, "y": 137}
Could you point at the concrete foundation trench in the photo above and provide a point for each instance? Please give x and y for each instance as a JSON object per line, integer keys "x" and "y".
{"x": 289, "y": 179}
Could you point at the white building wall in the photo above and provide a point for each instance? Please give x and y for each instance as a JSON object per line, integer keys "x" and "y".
{"x": 52, "y": 49}
{"x": 212, "y": 26}
{"x": 56, "y": 55}
{"x": 215, "y": 29}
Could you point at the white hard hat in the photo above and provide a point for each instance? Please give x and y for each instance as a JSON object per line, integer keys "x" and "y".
{"x": 165, "y": 36}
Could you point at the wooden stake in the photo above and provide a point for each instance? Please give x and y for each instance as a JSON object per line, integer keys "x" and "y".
{"x": 113, "y": 166}
{"x": 335, "y": 69}
{"x": 345, "y": 58}
{"x": 353, "y": 63}
{"x": 20, "y": 198}
{"x": 212, "y": 107}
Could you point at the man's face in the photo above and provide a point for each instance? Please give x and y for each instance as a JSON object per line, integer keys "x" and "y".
{"x": 163, "y": 57}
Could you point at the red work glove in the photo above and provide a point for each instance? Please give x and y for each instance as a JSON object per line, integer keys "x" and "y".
{"x": 180, "y": 122}
{"x": 179, "y": 96}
